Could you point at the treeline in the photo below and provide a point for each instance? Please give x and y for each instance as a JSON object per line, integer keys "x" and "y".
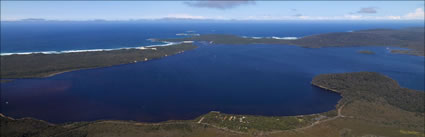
{"x": 411, "y": 38}
{"x": 372, "y": 86}
{"x": 41, "y": 65}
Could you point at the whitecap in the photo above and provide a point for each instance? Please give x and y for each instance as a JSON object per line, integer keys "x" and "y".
{"x": 251, "y": 37}
{"x": 188, "y": 34}
{"x": 90, "y": 50}
{"x": 285, "y": 38}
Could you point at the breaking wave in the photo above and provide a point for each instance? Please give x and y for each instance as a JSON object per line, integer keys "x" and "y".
{"x": 90, "y": 50}
{"x": 273, "y": 37}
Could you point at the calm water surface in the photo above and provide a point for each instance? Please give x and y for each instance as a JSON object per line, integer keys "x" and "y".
{"x": 239, "y": 79}
{"x": 243, "y": 79}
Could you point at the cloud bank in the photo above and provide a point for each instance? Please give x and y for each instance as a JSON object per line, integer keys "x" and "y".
{"x": 216, "y": 4}
{"x": 418, "y": 14}
{"x": 368, "y": 10}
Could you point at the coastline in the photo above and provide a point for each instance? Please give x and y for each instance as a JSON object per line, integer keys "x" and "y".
{"x": 325, "y": 88}
{"x": 320, "y": 117}
{"x": 47, "y": 65}
{"x": 91, "y": 50}
{"x": 364, "y": 99}
{"x": 57, "y": 73}
{"x": 357, "y": 110}
{"x": 371, "y": 37}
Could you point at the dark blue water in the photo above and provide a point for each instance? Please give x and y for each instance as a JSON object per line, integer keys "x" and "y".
{"x": 240, "y": 79}
{"x": 60, "y": 36}
{"x": 245, "y": 79}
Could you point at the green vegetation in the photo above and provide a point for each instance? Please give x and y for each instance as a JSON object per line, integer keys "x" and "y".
{"x": 366, "y": 52}
{"x": 410, "y": 38}
{"x": 252, "y": 124}
{"x": 5, "y": 80}
{"x": 398, "y": 51}
{"x": 43, "y": 65}
{"x": 372, "y": 87}
{"x": 372, "y": 105}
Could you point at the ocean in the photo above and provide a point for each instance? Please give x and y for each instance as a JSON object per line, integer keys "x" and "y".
{"x": 18, "y": 37}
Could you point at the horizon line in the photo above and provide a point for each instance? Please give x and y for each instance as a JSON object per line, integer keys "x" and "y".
{"x": 190, "y": 19}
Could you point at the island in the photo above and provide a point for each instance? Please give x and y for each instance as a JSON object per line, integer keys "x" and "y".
{"x": 411, "y": 39}
{"x": 45, "y": 65}
{"x": 366, "y": 52}
{"x": 372, "y": 105}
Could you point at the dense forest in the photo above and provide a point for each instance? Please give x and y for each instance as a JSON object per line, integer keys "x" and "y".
{"x": 410, "y": 38}
{"x": 372, "y": 87}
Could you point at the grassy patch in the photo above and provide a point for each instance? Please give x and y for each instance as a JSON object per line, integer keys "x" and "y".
{"x": 252, "y": 123}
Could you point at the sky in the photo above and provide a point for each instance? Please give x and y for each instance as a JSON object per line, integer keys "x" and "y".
{"x": 209, "y": 9}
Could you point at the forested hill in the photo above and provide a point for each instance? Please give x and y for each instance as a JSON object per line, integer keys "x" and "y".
{"x": 371, "y": 87}
{"x": 410, "y": 38}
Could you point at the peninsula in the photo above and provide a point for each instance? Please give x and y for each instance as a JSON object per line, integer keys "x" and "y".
{"x": 410, "y": 38}
{"x": 44, "y": 65}
{"x": 366, "y": 52}
{"x": 372, "y": 105}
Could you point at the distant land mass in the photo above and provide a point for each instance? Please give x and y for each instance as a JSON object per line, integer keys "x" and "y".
{"x": 372, "y": 105}
{"x": 410, "y": 38}
{"x": 366, "y": 52}
{"x": 44, "y": 65}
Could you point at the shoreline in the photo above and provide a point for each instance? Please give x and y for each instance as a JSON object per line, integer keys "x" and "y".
{"x": 200, "y": 118}
{"x": 368, "y": 37}
{"x": 166, "y": 43}
{"x": 47, "y": 65}
{"x": 325, "y": 88}
{"x": 357, "y": 110}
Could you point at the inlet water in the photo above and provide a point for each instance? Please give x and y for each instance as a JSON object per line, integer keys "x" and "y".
{"x": 270, "y": 80}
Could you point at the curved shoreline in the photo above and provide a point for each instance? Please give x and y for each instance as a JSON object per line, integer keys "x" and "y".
{"x": 199, "y": 119}
{"x": 325, "y": 88}
{"x": 247, "y": 125}
{"x": 321, "y": 117}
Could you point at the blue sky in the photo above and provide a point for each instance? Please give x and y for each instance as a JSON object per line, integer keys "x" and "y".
{"x": 223, "y": 10}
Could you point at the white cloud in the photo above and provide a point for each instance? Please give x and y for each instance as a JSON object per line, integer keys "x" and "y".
{"x": 185, "y": 16}
{"x": 190, "y": 16}
{"x": 219, "y": 4}
{"x": 417, "y": 15}
{"x": 368, "y": 10}
{"x": 344, "y": 17}
{"x": 394, "y": 17}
